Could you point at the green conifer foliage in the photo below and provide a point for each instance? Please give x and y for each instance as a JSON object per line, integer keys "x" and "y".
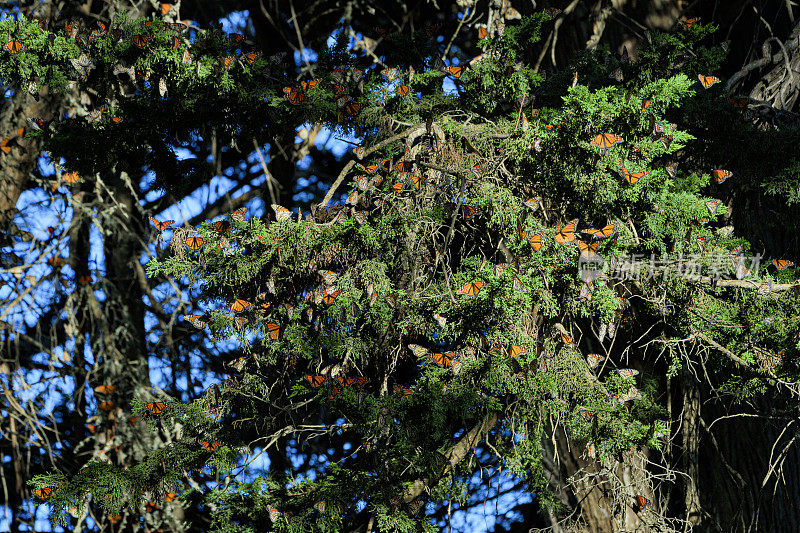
{"x": 441, "y": 307}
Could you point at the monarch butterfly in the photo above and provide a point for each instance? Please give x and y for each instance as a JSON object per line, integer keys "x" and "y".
{"x": 594, "y": 360}
{"x": 345, "y": 382}
{"x": 405, "y": 391}
{"x": 566, "y": 234}
{"x": 403, "y": 165}
{"x": 635, "y": 154}
{"x": 281, "y": 213}
{"x": 764, "y": 288}
{"x": 316, "y": 381}
{"x": 536, "y": 241}
{"x": 646, "y": 104}
{"x": 240, "y": 305}
{"x": 499, "y": 268}
{"x": 14, "y": 47}
{"x": 634, "y": 178}
{"x": 274, "y": 331}
{"x": 417, "y": 350}
{"x": 482, "y": 32}
{"x": 471, "y": 289}
{"x": 591, "y": 450}
{"x": 604, "y": 141}
{"x": 353, "y": 109}
{"x": 707, "y": 81}
{"x": 616, "y": 74}
{"x": 294, "y": 95}
{"x": 641, "y": 502}
{"x": 720, "y": 175}
{"x": 104, "y": 389}
{"x": 588, "y": 252}
{"x": 514, "y": 350}
{"x": 603, "y": 233}
{"x": 782, "y": 264}
{"x": 403, "y": 90}
{"x": 443, "y": 359}
{"x": 567, "y": 340}
{"x": 309, "y": 84}
{"x": 627, "y": 373}
{"x": 712, "y": 206}
{"x": 274, "y": 514}
{"x": 170, "y": 497}
{"x": 140, "y": 40}
{"x": 533, "y": 203}
{"x": 132, "y": 420}
{"x": 235, "y": 39}
{"x": 518, "y": 286}
{"x": 107, "y": 405}
{"x": 391, "y": 300}
{"x": 251, "y": 57}
{"x": 586, "y": 292}
{"x": 370, "y": 169}
{"x": 329, "y": 295}
{"x": 688, "y": 23}
{"x": 672, "y": 169}
{"x": 198, "y": 321}
{"x": 44, "y": 492}
{"x": 633, "y": 394}
{"x": 456, "y": 71}
{"x": 328, "y": 276}
{"x": 156, "y": 407}
{"x": 703, "y": 220}
{"x": 372, "y": 293}
{"x": 161, "y": 226}
{"x": 115, "y": 518}
{"x": 151, "y": 507}
{"x": 210, "y": 446}
{"x": 702, "y": 242}
{"x": 522, "y": 232}
{"x": 194, "y": 243}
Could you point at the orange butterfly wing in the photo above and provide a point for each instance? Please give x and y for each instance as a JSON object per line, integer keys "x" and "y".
{"x": 194, "y": 243}
{"x": 456, "y": 71}
{"x": 707, "y": 81}
{"x": 14, "y": 47}
{"x": 140, "y": 40}
{"x": 274, "y": 331}
{"x": 240, "y": 305}
{"x": 536, "y": 241}
{"x": 515, "y": 350}
{"x": 294, "y": 95}
{"x": 604, "y": 141}
{"x": 566, "y": 234}
{"x": 720, "y": 175}
{"x": 156, "y": 407}
{"x": 161, "y": 226}
{"x": 43, "y": 493}
{"x": 316, "y": 381}
{"x": 471, "y": 289}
